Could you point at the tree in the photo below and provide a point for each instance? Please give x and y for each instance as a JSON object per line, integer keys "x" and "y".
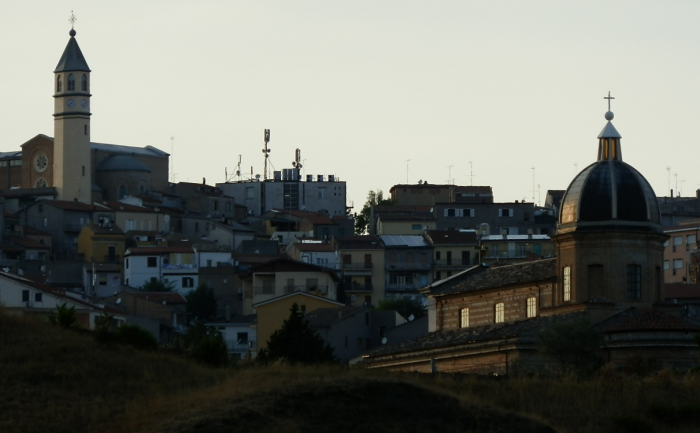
{"x": 65, "y": 316}
{"x": 574, "y": 344}
{"x": 161, "y": 285}
{"x": 205, "y": 344}
{"x": 362, "y": 220}
{"x": 201, "y": 303}
{"x": 296, "y": 343}
{"x": 405, "y": 306}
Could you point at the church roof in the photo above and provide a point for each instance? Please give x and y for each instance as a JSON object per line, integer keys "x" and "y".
{"x": 129, "y": 150}
{"x": 644, "y": 320}
{"x": 122, "y": 163}
{"x": 72, "y": 58}
{"x": 482, "y": 277}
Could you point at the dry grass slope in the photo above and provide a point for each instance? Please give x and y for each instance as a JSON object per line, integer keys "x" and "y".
{"x": 58, "y": 380}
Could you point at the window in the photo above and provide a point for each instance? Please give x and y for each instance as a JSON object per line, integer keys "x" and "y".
{"x": 46, "y": 222}
{"x": 130, "y": 225}
{"x": 499, "y": 313}
{"x": 152, "y": 262}
{"x": 531, "y": 307}
{"x": 505, "y": 212}
{"x": 228, "y": 206}
{"x": 25, "y": 295}
{"x": 677, "y": 240}
{"x": 126, "y": 263}
{"x": 196, "y": 227}
{"x": 437, "y": 255}
{"x": 122, "y": 191}
{"x": 242, "y": 337}
{"x": 249, "y": 193}
{"x": 690, "y": 239}
{"x": 666, "y": 243}
{"x": 59, "y": 84}
{"x": 41, "y": 183}
{"x": 634, "y": 281}
{"x": 416, "y": 227}
{"x": 83, "y": 83}
{"x": 464, "y": 318}
{"x": 678, "y": 264}
{"x": 667, "y": 265}
{"x": 566, "y": 283}
{"x": 85, "y": 130}
{"x": 215, "y": 205}
{"x": 187, "y": 282}
{"x": 311, "y": 283}
{"x": 71, "y": 82}
{"x": 322, "y": 192}
{"x": 438, "y": 276}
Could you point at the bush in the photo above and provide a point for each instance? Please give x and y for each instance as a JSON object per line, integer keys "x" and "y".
{"x": 135, "y": 336}
{"x": 574, "y": 344}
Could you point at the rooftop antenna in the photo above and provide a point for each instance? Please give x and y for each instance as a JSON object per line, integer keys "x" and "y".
{"x": 449, "y": 174}
{"x": 297, "y": 161}
{"x": 471, "y": 174}
{"x": 575, "y": 169}
{"x": 266, "y": 151}
{"x": 172, "y": 159}
{"x": 675, "y": 175}
{"x": 668, "y": 169}
{"x": 407, "y": 161}
{"x": 534, "y": 191}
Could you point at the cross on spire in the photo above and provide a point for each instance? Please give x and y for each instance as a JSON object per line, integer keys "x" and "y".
{"x": 608, "y": 98}
{"x": 72, "y": 20}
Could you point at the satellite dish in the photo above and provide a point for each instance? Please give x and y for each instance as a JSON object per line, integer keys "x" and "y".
{"x": 384, "y": 340}
{"x": 257, "y": 176}
{"x": 420, "y": 182}
{"x": 411, "y": 317}
{"x": 119, "y": 301}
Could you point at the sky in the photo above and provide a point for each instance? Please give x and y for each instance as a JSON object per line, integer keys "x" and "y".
{"x": 506, "y": 93}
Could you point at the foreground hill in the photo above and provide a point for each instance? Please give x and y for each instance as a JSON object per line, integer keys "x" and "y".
{"x": 58, "y": 380}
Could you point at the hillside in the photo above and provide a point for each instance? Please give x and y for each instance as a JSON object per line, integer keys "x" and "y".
{"x": 59, "y": 380}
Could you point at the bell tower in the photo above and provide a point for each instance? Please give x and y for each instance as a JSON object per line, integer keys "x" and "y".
{"x": 72, "y": 162}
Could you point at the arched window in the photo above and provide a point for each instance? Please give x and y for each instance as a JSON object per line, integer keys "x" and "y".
{"x": 71, "y": 82}
{"x": 531, "y": 307}
{"x": 122, "y": 191}
{"x": 566, "y": 283}
{"x": 464, "y": 318}
{"x": 41, "y": 183}
{"x": 634, "y": 281}
{"x": 83, "y": 83}
{"x": 59, "y": 84}
{"x": 141, "y": 190}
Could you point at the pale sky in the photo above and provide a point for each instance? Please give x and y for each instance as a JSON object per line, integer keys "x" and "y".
{"x": 361, "y": 87}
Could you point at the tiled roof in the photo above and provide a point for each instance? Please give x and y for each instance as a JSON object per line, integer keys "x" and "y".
{"x": 524, "y": 328}
{"x": 450, "y": 237}
{"x": 116, "y": 206}
{"x": 480, "y": 278}
{"x": 325, "y": 317}
{"x": 160, "y": 297}
{"x": 645, "y": 319}
{"x": 26, "y": 243}
{"x": 314, "y": 247}
{"x": 388, "y": 216}
{"x": 72, "y": 205}
{"x": 681, "y": 291}
{"x": 148, "y": 251}
{"x": 364, "y": 242}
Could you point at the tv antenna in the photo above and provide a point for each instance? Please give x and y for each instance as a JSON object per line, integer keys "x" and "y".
{"x": 297, "y": 161}
{"x": 471, "y": 174}
{"x": 237, "y": 173}
{"x": 266, "y": 151}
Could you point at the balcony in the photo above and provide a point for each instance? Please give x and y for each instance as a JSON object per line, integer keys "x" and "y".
{"x": 396, "y": 287}
{"x": 453, "y": 263}
{"x": 357, "y": 269}
{"x": 356, "y": 287}
{"x": 174, "y": 266}
{"x": 403, "y": 266}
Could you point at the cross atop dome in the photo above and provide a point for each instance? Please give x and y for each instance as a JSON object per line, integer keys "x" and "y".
{"x": 609, "y": 115}
{"x": 72, "y": 21}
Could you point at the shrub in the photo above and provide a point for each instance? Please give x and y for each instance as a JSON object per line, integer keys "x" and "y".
{"x": 135, "y": 336}
{"x": 65, "y": 316}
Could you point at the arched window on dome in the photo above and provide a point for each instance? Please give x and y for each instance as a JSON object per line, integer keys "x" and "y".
{"x": 122, "y": 191}
{"x": 141, "y": 190}
{"x": 71, "y": 82}
{"x": 59, "y": 84}
{"x": 566, "y": 284}
{"x": 83, "y": 83}
{"x": 634, "y": 281}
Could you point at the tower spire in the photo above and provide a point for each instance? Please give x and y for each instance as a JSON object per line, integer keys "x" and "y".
{"x": 609, "y": 139}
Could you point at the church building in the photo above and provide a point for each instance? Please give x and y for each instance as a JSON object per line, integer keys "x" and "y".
{"x": 69, "y": 166}
{"x": 608, "y": 269}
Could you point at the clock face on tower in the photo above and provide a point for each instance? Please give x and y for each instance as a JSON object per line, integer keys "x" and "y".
{"x": 84, "y": 103}
{"x": 41, "y": 162}
{"x": 70, "y": 103}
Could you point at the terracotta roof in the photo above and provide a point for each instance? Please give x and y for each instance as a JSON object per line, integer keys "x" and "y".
{"x": 159, "y": 297}
{"x": 286, "y": 264}
{"x": 26, "y": 243}
{"x": 314, "y": 217}
{"x": 481, "y": 277}
{"x": 405, "y": 217}
{"x": 117, "y": 206}
{"x": 314, "y": 247}
{"x": 681, "y": 291}
{"x": 325, "y": 317}
{"x": 527, "y": 328}
{"x": 71, "y": 205}
{"x": 148, "y": 251}
{"x": 644, "y": 320}
{"x": 450, "y": 237}
{"x": 364, "y": 242}
{"x": 33, "y": 231}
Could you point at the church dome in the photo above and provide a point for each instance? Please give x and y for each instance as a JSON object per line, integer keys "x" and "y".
{"x": 609, "y": 194}
{"x": 122, "y": 163}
